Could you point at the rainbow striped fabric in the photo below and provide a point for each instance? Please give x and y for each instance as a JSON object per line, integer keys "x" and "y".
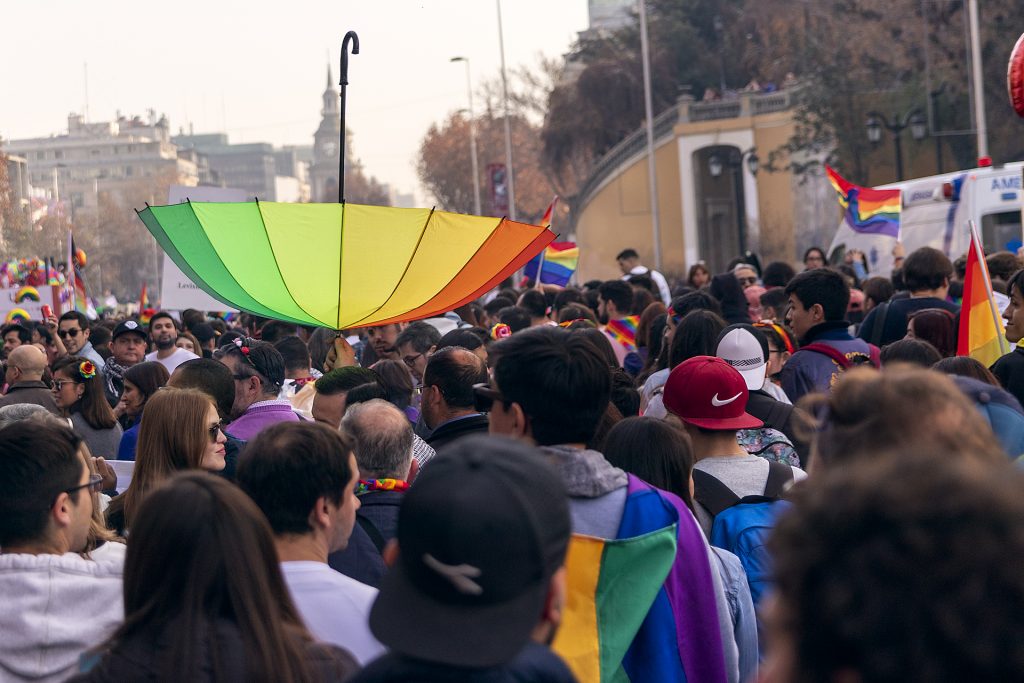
{"x": 981, "y": 335}
{"x": 624, "y": 331}
{"x": 867, "y": 210}
{"x": 560, "y": 261}
{"x": 640, "y": 608}
{"x": 77, "y": 280}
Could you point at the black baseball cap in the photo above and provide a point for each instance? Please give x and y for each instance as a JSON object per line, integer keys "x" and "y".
{"x": 204, "y": 332}
{"x": 133, "y": 326}
{"x": 480, "y": 534}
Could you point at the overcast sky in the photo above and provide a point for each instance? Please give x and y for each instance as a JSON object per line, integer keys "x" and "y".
{"x": 258, "y": 68}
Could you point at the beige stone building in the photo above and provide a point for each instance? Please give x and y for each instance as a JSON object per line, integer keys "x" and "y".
{"x": 107, "y": 156}
{"x": 715, "y": 197}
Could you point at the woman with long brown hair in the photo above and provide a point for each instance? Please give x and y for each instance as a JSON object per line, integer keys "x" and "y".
{"x": 78, "y": 392}
{"x": 204, "y": 599}
{"x": 181, "y": 430}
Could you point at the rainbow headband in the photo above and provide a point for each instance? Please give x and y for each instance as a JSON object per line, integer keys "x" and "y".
{"x": 782, "y": 333}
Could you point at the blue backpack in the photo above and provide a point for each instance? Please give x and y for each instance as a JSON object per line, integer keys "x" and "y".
{"x": 742, "y": 525}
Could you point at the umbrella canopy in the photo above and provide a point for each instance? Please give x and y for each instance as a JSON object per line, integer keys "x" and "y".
{"x": 341, "y": 265}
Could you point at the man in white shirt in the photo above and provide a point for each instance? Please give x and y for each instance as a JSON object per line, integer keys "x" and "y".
{"x": 629, "y": 264}
{"x": 303, "y": 476}
{"x": 164, "y": 333}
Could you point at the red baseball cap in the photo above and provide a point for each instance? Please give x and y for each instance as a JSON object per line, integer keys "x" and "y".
{"x": 708, "y": 392}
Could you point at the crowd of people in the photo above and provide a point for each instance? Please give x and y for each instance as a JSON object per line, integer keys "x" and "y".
{"x": 757, "y": 474}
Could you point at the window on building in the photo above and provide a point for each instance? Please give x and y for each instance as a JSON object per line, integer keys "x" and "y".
{"x": 58, "y": 154}
{"x": 127, "y": 171}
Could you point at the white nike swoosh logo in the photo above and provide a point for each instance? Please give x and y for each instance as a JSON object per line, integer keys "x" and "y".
{"x": 718, "y": 404}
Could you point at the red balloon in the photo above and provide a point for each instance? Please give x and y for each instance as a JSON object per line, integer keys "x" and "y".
{"x": 1015, "y": 77}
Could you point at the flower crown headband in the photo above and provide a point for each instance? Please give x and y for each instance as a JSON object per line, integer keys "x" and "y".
{"x": 245, "y": 349}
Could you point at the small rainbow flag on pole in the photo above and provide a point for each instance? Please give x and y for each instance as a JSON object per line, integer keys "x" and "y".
{"x": 75, "y": 279}
{"x": 867, "y": 210}
{"x": 981, "y": 335}
{"x": 556, "y": 264}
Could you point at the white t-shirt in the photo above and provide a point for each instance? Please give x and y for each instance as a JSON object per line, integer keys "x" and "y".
{"x": 174, "y": 360}
{"x": 336, "y": 608}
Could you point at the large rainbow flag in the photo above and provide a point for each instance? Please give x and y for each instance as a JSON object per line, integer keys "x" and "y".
{"x": 981, "y": 335}
{"x": 559, "y": 263}
{"x": 865, "y": 209}
{"x": 641, "y": 607}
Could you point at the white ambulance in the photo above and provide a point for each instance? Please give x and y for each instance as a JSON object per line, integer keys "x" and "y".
{"x": 935, "y": 214}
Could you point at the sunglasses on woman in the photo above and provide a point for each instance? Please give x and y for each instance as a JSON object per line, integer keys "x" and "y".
{"x": 215, "y": 429}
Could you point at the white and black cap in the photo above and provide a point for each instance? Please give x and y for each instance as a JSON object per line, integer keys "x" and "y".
{"x": 745, "y": 348}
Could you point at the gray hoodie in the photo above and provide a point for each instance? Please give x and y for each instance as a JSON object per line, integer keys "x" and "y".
{"x": 55, "y": 607}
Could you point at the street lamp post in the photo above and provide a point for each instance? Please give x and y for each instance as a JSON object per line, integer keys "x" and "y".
{"x": 734, "y": 161}
{"x": 509, "y": 173}
{"x": 652, "y": 174}
{"x": 913, "y": 119}
{"x": 472, "y": 138}
{"x": 720, "y": 31}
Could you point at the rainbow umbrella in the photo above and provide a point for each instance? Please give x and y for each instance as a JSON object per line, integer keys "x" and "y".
{"x": 341, "y": 265}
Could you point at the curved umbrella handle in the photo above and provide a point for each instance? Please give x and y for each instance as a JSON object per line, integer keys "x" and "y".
{"x": 350, "y": 39}
{"x": 353, "y": 39}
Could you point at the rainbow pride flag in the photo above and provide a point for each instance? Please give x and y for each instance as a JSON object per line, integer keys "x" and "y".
{"x": 641, "y": 607}
{"x": 75, "y": 278}
{"x": 559, "y": 263}
{"x": 624, "y": 331}
{"x": 981, "y": 335}
{"x": 867, "y": 210}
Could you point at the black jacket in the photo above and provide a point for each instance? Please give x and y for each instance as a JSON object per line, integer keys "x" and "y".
{"x": 140, "y": 658}
{"x": 1009, "y": 370}
{"x": 535, "y": 664}
{"x": 376, "y": 524}
{"x": 783, "y": 417}
{"x": 452, "y": 431}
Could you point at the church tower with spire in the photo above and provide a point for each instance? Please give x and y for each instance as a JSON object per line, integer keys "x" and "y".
{"x": 323, "y": 174}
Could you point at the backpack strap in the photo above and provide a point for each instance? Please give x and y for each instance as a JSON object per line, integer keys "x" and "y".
{"x": 373, "y": 532}
{"x": 876, "y": 355}
{"x": 830, "y": 351}
{"x": 712, "y": 494}
{"x": 878, "y": 331}
{"x": 778, "y": 414}
{"x": 779, "y": 476}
